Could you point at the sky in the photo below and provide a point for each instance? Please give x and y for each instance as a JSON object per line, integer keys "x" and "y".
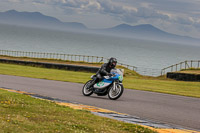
{"x": 180, "y": 17}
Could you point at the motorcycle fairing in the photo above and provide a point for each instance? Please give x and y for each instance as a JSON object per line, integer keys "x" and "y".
{"x": 106, "y": 82}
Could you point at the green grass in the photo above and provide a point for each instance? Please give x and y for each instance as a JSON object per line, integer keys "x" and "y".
{"x": 22, "y": 113}
{"x": 137, "y": 82}
{"x": 44, "y": 73}
{"x": 191, "y": 89}
{"x": 191, "y": 71}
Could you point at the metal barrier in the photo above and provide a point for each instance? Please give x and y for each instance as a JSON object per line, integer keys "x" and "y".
{"x": 67, "y": 57}
{"x": 180, "y": 66}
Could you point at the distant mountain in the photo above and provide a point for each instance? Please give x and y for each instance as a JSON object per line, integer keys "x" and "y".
{"x": 144, "y": 31}
{"x": 36, "y": 19}
{"x": 147, "y": 31}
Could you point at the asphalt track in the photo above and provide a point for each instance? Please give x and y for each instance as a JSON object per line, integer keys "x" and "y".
{"x": 170, "y": 109}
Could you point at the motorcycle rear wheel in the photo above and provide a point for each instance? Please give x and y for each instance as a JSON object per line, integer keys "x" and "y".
{"x": 87, "y": 91}
{"x": 115, "y": 94}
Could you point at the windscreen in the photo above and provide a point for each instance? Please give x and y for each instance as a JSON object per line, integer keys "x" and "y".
{"x": 119, "y": 71}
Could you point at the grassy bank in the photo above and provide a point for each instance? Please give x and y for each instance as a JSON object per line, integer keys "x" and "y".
{"x": 191, "y": 71}
{"x": 127, "y": 71}
{"x": 131, "y": 81}
{"x": 51, "y": 61}
{"x": 22, "y": 113}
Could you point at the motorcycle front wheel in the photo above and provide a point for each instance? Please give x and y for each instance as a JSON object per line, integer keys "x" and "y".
{"x": 86, "y": 90}
{"x": 114, "y": 94}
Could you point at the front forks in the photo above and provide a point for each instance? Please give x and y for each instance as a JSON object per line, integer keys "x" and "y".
{"x": 114, "y": 84}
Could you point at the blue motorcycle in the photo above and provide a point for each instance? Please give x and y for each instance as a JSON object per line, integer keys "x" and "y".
{"x": 109, "y": 85}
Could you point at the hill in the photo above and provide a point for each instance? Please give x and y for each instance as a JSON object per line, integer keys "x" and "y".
{"x": 36, "y": 19}
{"x": 147, "y": 31}
{"x": 144, "y": 31}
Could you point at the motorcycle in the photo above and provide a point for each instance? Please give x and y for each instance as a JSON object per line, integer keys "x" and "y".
{"x": 109, "y": 85}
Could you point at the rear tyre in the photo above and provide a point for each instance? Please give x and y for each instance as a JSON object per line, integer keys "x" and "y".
{"x": 114, "y": 94}
{"x": 87, "y": 91}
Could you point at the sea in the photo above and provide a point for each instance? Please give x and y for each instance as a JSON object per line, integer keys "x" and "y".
{"x": 147, "y": 55}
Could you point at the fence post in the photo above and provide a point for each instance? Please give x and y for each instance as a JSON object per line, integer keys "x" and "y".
{"x": 176, "y": 67}
{"x": 56, "y": 56}
{"x": 79, "y": 58}
{"x": 64, "y": 55}
{"x": 97, "y": 59}
{"x": 181, "y": 65}
{"x": 163, "y": 72}
{"x": 191, "y": 63}
{"x": 83, "y": 58}
{"x": 71, "y": 57}
{"x": 185, "y": 64}
{"x": 18, "y": 53}
{"x": 7, "y": 53}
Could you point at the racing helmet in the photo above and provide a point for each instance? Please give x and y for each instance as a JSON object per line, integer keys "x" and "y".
{"x": 112, "y": 62}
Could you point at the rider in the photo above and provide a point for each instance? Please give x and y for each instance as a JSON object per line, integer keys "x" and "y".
{"x": 105, "y": 70}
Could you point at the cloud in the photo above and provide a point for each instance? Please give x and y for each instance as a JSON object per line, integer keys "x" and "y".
{"x": 183, "y": 20}
{"x": 146, "y": 13}
{"x": 123, "y": 12}
{"x": 197, "y": 25}
{"x": 130, "y": 14}
{"x": 15, "y": 1}
{"x": 150, "y": 13}
{"x": 126, "y": 13}
{"x": 171, "y": 12}
{"x": 74, "y": 3}
{"x": 107, "y": 7}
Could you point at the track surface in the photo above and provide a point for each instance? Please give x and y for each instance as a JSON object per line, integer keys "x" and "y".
{"x": 170, "y": 109}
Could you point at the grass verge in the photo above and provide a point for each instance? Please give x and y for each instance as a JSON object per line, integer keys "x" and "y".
{"x": 59, "y": 61}
{"x": 51, "y": 60}
{"x": 22, "y": 113}
{"x": 162, "y": 85}
{"x": 191, "y": 71}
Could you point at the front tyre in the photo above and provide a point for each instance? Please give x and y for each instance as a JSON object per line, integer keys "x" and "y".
{"x": 114, "y": 94}
{"x": 87, "y": 91}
